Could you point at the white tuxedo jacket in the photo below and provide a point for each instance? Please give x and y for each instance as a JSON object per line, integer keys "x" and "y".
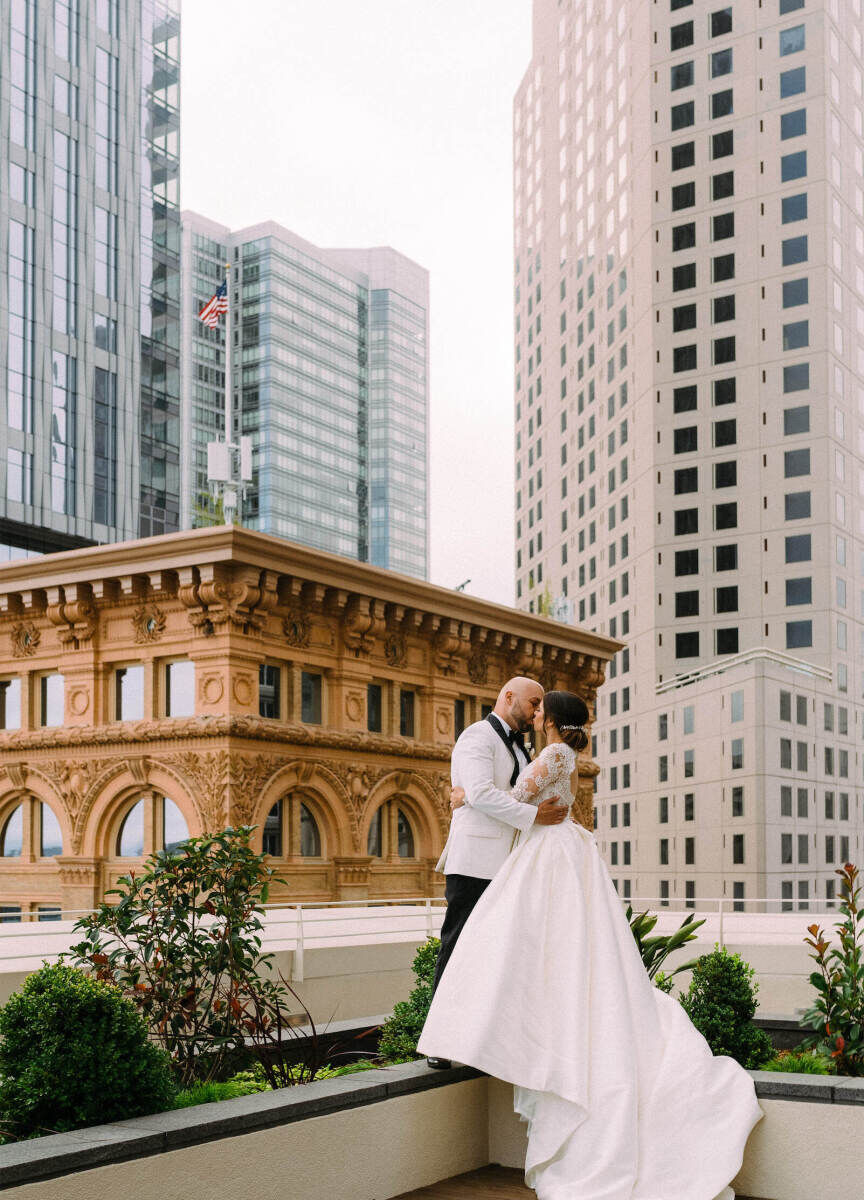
{"x": 481, "y": 832}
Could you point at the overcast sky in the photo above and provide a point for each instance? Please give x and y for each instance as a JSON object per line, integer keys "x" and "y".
{"x": 385, "y": 123}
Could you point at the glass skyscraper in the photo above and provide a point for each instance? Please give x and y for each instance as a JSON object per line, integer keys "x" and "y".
{"x": 89, "y": 272}
{"x": 330, "y": 382}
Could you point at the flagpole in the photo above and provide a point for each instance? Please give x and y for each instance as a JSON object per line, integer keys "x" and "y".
{"x": 229, "y": 495}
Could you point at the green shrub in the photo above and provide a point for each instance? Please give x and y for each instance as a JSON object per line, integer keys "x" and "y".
{"x": 721, "y": 1002}
{"x": 837, "y": 1014}
{"x": 400, "y": 1034}
{"x": 182, "y": 940}
{"x": 244, "y": 1083}
{"x": 802, "y": 1062}
{"x": 74, "y": 1052}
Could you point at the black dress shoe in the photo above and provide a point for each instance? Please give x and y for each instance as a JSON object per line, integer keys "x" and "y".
{"x": 439, "y": 1064}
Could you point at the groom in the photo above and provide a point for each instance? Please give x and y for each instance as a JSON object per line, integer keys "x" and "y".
{"x": 487, "y": 760}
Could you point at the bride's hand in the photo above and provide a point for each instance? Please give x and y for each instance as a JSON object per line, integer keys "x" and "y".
{"x": 457, "y": 798}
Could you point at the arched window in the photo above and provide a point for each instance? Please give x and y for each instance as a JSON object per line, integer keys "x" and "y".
{"x": 390, "y": 833}
{"x": 12, "y": 840}
{"x": 174, "y": 827}
{"x": 290, "y": 830}
{"x": 130, "y": 840}
{"x": 164, "y": 829}
{"x": 50, "y": 837}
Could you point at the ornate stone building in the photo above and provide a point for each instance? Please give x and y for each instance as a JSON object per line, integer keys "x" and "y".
{"x": 183, "y": 683}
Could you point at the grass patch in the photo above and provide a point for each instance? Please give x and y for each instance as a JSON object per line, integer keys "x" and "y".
{"x": 802, "y": 1062}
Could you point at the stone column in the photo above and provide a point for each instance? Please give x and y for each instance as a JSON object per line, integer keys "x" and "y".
{"x": 352, "y": 877}
{"x": 80, "y": 882}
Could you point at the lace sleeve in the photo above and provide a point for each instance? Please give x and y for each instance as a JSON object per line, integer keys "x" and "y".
{"x": 550, "y": 765}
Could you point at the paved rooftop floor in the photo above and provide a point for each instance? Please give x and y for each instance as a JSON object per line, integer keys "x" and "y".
{"x": 498, "y": 1182}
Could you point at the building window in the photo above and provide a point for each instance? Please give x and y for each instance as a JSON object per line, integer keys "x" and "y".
{"x": 180, "y": 688}
{"x": 683, "y": 277}
{"x": 738, "y": 848}
{"x": 737, "y": 802}
{"x": 10, "y": 703}
{"x": 723, "y": 185}
{"x": 798, "y": 548}
{"x": 406, "y": 713}
{"x": 795, "y": 293}
{"x": 796, "y": 505}
{"x": 687, "y": 604}
{"x": 724, "y": 391}
{"x": 738, "y": 892}
{"x": 799, "y": 591}
{"x": 737, "y": 754}
{"x": 167, "y": 822}
{"x": 799, "y": 634}
{"x": 129, "y": 693}
{"x": 686, "y": 562}
{"x": 726, "y": 515}
{"x": 726, "y": 474}
{"x": 726, "y": 558}
{"x": 792, "y": 40}
{"x": 269, "y": 698}
{"x": 686, "y": 521}
{"x": 721, "y": 22}
{"x": 458, "y": 717}
{"x": 793, "y": 83}
{"x": 684, "y": 236}
{"x": 390, "y": 833}
{"x": 683, "y": 196}
{"x": 803, "y": 848}
{"x": 690, "y": 851}
{"x": 664, "y": 810}
{"x": 374, "y": 707}
{"x": 685, "y": 440}
{"x": 793, "y": 124}
{"x": 682, "y": 35}
{"x": 682, "y": 116}
{"x": 722, "y": 144}
{"x": 290, "y": 829}
{"x": 687, "y": 645}
{"x": 664, "y": 852}
{"x": 794, "y": 250}
{"x": 51, "y": 702}
{"x": 722, "y": 227}
{"x": 310, "y": 698}
{"x": 681, "y": 76}
{"x": 725, "y": 432}
{"x": 793, "y": 166}
{"x": 721, "y": 103}
{"x": 689, "y": 764}
{"x": 793, "y": 208}
{"x": 689, "y": 806}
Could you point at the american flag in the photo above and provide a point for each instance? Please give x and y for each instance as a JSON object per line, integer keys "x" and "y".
{"x": 215, "y": 306}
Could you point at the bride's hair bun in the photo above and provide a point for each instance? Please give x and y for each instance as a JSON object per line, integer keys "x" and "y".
{"x": 569, "y": 714}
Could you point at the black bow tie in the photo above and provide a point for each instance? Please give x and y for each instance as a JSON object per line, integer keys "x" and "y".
{"x": 514, "y": 737}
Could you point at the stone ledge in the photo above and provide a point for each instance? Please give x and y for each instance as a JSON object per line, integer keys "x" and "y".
{"x": 140, "y": 1137}
{"x": 62, "y": 1153}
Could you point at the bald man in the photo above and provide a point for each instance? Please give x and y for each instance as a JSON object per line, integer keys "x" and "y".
{"x": 487, "y": 760}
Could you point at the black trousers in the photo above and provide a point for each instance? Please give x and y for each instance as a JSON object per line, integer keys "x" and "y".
{"x": 461, "y": 892}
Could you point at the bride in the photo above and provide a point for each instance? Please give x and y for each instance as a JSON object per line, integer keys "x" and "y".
{"x": 546, "y": 990}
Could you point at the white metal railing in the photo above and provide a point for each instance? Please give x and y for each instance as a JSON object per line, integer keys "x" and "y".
{"x": 736, "y": 660}
{"x": 330, "y": 921}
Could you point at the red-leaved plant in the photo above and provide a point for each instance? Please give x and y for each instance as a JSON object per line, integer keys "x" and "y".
{"x": 837, "y": 1016}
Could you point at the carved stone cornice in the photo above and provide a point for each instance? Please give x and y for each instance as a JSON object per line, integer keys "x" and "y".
{"x": 72, "y": 610}
{"x": 362, "y": 623}
{"x": 228, "y": 725}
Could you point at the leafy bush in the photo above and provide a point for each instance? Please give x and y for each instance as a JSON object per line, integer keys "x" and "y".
{"x": 183, "y": 943}
{"x": 838, "y": 1013}
{"x": 655, "y": 950}
{"x": 400, "y": 1034}
{"x": 74, "y": 1052}
{"x": 801, "y": 1062}
{"x": 721, "y": 1002}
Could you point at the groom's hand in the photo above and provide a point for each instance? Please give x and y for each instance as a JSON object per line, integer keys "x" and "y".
{"x": 457, "y": 798}
{"x": 550, "y": 812}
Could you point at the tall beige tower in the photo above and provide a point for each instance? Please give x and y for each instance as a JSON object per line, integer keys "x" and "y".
{"x": 689, "y": 404}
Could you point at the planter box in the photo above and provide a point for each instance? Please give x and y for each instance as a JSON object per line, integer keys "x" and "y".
{"x": 376, "y": 1135}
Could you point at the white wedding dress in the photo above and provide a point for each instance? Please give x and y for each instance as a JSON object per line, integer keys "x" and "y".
{"x": 546, "y": 990}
